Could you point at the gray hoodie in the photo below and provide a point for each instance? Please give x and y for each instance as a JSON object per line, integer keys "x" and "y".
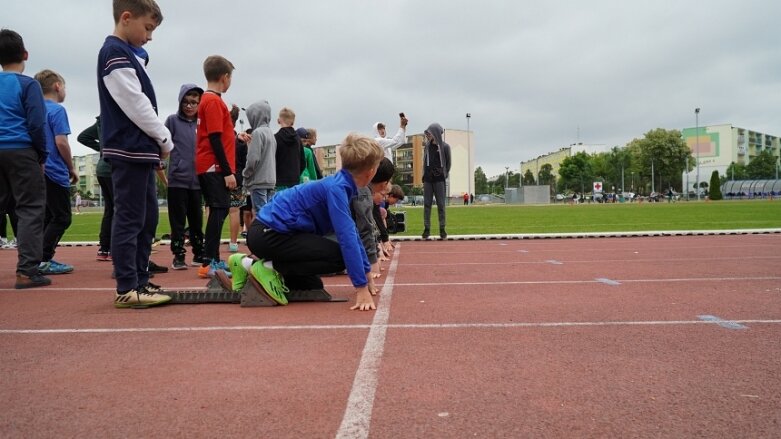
{"x": 261, "y": 169}
{"x": 181, "y": 163}
{"x": 437, "y": 132}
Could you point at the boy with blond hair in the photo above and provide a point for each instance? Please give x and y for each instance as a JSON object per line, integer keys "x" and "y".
{"x": 134, "y": 141}
{"x": 289, "y": 232}
{"x": 58, "y": 171}
{"x": 22, "y": 155}
{"x": 215, "y": 158}
{"x": 290, "y": 152}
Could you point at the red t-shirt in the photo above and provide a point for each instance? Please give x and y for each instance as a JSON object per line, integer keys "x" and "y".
{"x": 213, "y": 117}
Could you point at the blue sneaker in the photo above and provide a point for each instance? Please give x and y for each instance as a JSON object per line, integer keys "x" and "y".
{"x": 208, "y": 271}
{"x": 54, "y": 267}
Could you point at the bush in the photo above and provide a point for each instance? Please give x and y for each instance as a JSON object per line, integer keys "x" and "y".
{"x": 715, "y": 187}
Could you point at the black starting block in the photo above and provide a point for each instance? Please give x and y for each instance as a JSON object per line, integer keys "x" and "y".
{"x": 219, "y": 289}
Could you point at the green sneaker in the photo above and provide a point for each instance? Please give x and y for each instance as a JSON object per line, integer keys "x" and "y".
{"x": 271, "y": 281}
{"x": 238, "y": 273}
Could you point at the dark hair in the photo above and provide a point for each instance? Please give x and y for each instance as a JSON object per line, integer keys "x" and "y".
{"x": 11, "y": 47}
{"x": 385, "y": 171}
{"x": 396, "y": 192}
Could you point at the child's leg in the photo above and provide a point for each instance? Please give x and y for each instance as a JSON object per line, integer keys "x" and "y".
{"x": 107, "y": 189}
{"x": 195, "y": 221}
{"x": 129, "y": 223}
{"x": 217, "y": 199}
{"x": 234, "y": 224}
{"x": 439, "y": 194}
{"x": 177, "y": 215}
{"x": 58, "y": 217}
{"x": 151, "y": 217}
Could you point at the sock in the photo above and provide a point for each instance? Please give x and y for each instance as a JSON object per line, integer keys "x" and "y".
{"x": 268, "y": 264}
{"x": 247, "y": 263}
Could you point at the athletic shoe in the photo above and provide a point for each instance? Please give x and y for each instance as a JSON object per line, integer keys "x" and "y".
{"x": 151, "y": 288}
{"x": 154, "y": 268}
{"x": 103, "y": 256}
{"x": 200, "y": 260}
{"x": 271, "y": 281}
{"x": 179, "y": 263}
{"x": 3, "y": 241}
{"x": 54, "y": 267}
{"x": 10, "y": 244}
{"x": 425, "y": 234}
{"x": 238, "y": 272}
{"x": 33, "y": 281}
{"x": 244, "y": 234}
{"x": 442, "y": 234}
{"x": 233, "y": 247}
{"x": 140, "y": 299}
{"x": 208, "y": 271}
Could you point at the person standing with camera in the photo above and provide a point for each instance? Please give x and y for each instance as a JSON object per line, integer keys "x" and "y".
{"x": 389, "y": 145}
{"x": 436, "y": 167}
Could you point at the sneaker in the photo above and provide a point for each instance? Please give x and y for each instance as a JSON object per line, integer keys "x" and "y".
{"x": 141, "y": 299}
{"x": 10, "y": 244}
{"x": 203, "y": 271}
{"x": 239, "y": 274}
{"x": 3, "y": 242}
{"x": 271, "y": 281}
{"x": 244, "y": 234}
{"x": 199, "y": 261}
{"x": 207, "y": 271}
{"x": 442, "y": 234}
{"x": 154, "y": 268}
{"x": 179, "y": 263}
{"x": 425, "y": 234}
{"x": 151, "y": 288}
{"x": 103, "y": 256}
{"x": 233, "y": 247}
{"x": 33, "y": 281}
{"x": 54, "y": 267}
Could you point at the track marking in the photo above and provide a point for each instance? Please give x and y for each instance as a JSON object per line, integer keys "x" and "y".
{"x": 554, "y": 262}
{"x": 586, "y": 261}
{"x": 607, "y": 281}
{"x": 616, "y": 323}
{"x": 729, "y": 324}
{"x": 358, "y": 413}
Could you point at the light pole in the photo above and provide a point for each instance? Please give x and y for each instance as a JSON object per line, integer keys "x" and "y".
{"x": 469, "y": 175}
{"x": 697, "y": 145}
{"x": 506, "y": 178}
{"x": 653, "y": 188}
{"x": 687, "y": 177}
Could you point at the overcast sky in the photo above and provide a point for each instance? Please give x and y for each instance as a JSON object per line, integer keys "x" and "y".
{"x": 535, "y": 76}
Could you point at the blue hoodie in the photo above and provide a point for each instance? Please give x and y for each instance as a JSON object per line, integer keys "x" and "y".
{"x": 181, "y": 164}
{"x": 321, "y": 207}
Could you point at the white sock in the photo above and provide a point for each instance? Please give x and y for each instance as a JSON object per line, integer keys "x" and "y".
{"x": 268, "y": 264}
{"x": 247, "y": 263}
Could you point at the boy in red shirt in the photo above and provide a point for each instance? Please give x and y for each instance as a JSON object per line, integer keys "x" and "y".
{"x": 215, "y": 155}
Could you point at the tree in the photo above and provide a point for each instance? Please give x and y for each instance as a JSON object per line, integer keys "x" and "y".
{"x": 715, "y": 187}
{"x": 762, "y": 167}
{"x": 668, "y": 152}
{"x": 736, "y": 171}
{"x": 546, "y": 175}
{"x": 620, "y": 160}
{"x": 481, "y": 182}
{"x": 528, "y": 178}
{"x": 575, "y": 172}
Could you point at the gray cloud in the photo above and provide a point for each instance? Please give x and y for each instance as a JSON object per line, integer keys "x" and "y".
{"x": 532, "y": 74}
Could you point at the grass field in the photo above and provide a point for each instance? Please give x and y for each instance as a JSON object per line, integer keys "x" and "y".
{"x": 559, "y": 218}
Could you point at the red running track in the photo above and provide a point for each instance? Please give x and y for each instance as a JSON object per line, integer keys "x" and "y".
{"x": 504, "y": 338}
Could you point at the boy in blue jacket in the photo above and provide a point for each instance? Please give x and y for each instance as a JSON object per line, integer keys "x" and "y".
{"x": 289, "y": 231}
{"x": 134, "y": 141}
{"x": 22, "y": 155}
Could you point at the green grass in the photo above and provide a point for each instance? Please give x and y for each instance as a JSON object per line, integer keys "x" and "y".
{"x": 559, "y": 218}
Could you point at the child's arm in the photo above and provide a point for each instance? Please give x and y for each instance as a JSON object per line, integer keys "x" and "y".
{"x": 35, "y": 107}
{"x": 90, "y": 137}
{"x": 61, "y": 140}
{"x": 125, "y": 88}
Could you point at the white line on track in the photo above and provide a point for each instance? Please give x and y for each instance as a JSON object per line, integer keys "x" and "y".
{"x": 384, "y": 327}
{"x": 587, "y": 261}
{"x": 357, "y": 415}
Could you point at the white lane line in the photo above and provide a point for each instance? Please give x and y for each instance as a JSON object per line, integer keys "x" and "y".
{"x": 421, "y": 284}
{"x": 357, "y": 415}
{"x": 391, "y": 326}
{"x": 586, "y": 261}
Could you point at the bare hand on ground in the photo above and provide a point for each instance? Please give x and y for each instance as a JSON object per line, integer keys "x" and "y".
{"x": 363, "y": 300}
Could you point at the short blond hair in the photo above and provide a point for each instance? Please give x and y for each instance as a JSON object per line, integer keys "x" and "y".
{"x": 215, "y": 66}
{"x": 138, "y": 8}
{"x": 359, "y": 153}
{"x": 48, "y": 78}
{"x": 287, "y": 115}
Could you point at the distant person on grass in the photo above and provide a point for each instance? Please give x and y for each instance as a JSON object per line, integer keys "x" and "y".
{"x": 289, "y": 232}
{"x": 58, "y": 172}
{"x": 134, "y": 141}
{"x": 22, "y": 156}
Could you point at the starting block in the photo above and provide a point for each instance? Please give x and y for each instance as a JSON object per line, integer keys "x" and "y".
{"x": 219, "y": 289}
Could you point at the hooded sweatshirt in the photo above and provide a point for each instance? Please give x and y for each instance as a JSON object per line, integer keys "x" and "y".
{"x": 429, "y": 174}
{"x": 181, "y": 164}
{"x": 290, "y": 157}
{"x": 260, "y": 171}
{"x": 389, "y": 145}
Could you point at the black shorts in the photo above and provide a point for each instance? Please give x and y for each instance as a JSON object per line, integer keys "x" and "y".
{"x": 215, "y": 193}
{"x": 247, "y": 206}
